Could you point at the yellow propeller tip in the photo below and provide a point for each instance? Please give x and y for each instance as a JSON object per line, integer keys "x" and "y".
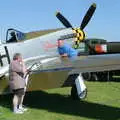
{"x": 57, "y": 12}
{"x": 94, "y": 4}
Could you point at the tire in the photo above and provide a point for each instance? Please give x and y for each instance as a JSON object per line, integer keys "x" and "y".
{"x": 75, "y": 96}
{"x": 74, "y": 92}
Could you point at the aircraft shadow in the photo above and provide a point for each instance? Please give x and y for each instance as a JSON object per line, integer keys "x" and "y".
{"x": 65, "y": 105}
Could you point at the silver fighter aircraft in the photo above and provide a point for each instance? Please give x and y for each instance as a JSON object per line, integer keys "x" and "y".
{"x": 50, "y": 70}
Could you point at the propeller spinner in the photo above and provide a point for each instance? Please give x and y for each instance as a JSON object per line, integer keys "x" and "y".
{"x": 78, "y": 32}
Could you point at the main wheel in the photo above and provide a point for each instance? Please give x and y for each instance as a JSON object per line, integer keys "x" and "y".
{"x": 74, "y": 94}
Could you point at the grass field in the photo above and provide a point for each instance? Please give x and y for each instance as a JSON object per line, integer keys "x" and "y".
{"x": 102, "y": 103}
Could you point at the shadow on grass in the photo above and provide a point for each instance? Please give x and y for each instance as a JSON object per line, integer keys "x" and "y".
{"x": 65, "y": 105}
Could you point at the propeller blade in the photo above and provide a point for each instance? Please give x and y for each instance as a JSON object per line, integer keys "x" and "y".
{"x": 88, "y": 16}
{"x": 64, "y": 21}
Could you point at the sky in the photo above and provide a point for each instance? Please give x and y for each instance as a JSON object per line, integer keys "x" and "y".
{"x": 34, "y": 15}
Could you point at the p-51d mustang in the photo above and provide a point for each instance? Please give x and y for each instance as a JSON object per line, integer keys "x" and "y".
{"x": 51, "y": 71}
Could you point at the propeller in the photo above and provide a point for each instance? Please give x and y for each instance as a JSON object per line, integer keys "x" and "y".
{"x": 88, "y": 16}
{"x": 78, "y": 33}
{"x": 85, "y": 20}
{"x": 64, "y": 21}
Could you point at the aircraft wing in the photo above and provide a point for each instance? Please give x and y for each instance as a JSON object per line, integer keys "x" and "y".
{"x": 94, "y": 63}
{"x": 90, "y": 63}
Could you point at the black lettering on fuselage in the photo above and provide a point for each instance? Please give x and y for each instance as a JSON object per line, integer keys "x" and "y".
{"x": 6, "y": 55}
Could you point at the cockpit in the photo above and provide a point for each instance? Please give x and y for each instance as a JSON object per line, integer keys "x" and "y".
{"x": 14, "y": 35}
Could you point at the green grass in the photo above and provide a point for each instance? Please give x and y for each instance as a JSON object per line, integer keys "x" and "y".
{"x": 102, "y": 103}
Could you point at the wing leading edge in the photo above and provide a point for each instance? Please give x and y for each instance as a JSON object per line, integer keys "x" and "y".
{"x": 96, "y": 63}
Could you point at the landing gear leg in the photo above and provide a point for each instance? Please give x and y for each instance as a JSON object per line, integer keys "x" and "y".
{"x": 79, "y": 90}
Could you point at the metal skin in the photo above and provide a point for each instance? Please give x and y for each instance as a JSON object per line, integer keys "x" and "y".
{"x": 53, "y": 71}
{"x": 41, "y": 49}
